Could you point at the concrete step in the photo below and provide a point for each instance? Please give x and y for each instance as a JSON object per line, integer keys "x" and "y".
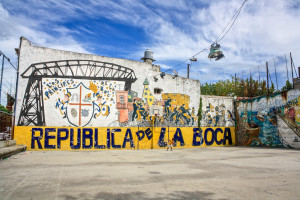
{"x": 7, "y": 143}
{"x": 11, "y": 150}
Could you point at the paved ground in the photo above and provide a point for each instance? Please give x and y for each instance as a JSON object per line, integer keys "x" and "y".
{"x": 200, "y": 173}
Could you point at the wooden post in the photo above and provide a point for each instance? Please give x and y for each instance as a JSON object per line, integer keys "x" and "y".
{"x": 267, "y": 77}
{"x": 275, "y": 73}
{"x": 287, "y": 71}
{"x": 188, "y": 70}
{"x": 292, "y": 69}
{"x": 235, "y": 84}
{"x": 292, "y": 61}
{"x": 258, "y": 74}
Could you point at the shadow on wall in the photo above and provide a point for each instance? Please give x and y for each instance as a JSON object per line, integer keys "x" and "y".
{"x": 272, "y": 121}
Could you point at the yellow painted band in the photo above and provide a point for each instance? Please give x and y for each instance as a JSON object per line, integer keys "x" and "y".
{"x": 86, "y": 138}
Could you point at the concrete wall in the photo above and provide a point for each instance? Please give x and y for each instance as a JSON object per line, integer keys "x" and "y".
{"x": 217, "y": 111}
{"x": 82, "y": 102}
{"x": 270, "y": 121}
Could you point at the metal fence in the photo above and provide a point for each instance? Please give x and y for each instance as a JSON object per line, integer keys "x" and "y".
{"x": 6, "y": 126}
{"x": 8, "y": 83}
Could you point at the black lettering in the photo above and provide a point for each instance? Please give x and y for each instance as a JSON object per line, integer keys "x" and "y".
{"x": 227, "y": 136}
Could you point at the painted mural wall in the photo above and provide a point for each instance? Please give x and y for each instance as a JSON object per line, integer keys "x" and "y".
{"x": 270, "y": 121}
{"x": 70, "y": 100}
{"x": 217, "y": 111}
{"x": 67, "y": 89}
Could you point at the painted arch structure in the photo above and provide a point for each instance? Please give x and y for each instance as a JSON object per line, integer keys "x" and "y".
{"x": 33, "y": 111}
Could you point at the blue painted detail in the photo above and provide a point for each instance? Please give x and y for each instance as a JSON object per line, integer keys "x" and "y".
{"x": 87, "y": 134}
{"x": 178, "y": 137}
{"x": 77, "y": 146}
{"x": 85, "y": 112}
{"x": 197, "y": 134}
{"x": 161, "y": 141}
{"x": 126, "y": 139}
{"x": 49, "y": 137}
{"x": 36, "y": 138}
{"x": 148, "y": 133}
{"x": 212, "y": 138}
{"x": 140, "y": 137}
{"x": 219, "y": 142}
{"x": 108, "y": 138}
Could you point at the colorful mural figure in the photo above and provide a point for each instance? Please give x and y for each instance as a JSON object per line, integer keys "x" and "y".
{"x": 62, "y": 104}
{"x": 217, "y": 116}
{"x": 147, "y": 95}
{"x": 176, "y": 110}
{"x": 270, "y": 121}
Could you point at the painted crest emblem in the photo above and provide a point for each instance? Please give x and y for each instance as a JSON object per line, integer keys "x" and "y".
{"x": 80, "y": 109}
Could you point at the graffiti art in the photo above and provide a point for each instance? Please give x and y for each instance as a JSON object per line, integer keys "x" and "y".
{"x": 272, "y": 121}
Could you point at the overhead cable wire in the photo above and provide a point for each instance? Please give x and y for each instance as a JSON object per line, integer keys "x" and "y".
{"x": 234, "y": 17}
{"x": 8, "y": 60}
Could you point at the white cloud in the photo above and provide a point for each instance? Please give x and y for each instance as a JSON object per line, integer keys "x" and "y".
{"x": 13, "y": 27}
{"x": 174, "y": 31}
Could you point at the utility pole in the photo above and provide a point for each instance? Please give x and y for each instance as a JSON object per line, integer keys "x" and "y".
{"x": 1, "y": 77}
{"x": 258, "y": 74}
{"x": 294, "y": 65}
{"x": 235, "y": 84}
{"x": 193, "y": 59}
{"x": 267, "y": 77}
{"x": 292, "y": 68}
{"x": 275, "y": 73}
{"x": 287, "y": 71}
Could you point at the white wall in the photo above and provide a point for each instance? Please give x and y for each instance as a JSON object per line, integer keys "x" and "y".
{"x": 217, "y": 111}
{"x": 33, "y": 54}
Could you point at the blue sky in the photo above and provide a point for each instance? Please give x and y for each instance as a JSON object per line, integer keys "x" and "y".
{"x": 174, "y": 30}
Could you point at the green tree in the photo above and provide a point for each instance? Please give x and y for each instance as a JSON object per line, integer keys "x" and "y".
{"x": 288, "y": 85}
{"x": 237, "y": 87}
{"x": 3, "y": 109}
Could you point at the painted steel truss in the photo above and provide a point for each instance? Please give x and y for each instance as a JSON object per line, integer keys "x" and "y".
{"x": 32, "y": 111}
